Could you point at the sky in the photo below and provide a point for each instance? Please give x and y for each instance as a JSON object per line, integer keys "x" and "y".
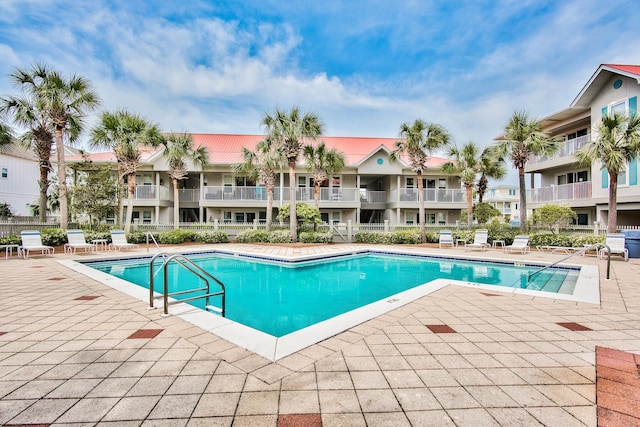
{"x": 363, "y": 66}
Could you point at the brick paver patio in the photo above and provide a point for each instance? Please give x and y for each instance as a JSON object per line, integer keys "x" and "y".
{"x": 76, "y": 352}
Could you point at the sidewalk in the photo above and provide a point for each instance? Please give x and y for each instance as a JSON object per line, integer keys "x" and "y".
{"x": 75, "y": 352}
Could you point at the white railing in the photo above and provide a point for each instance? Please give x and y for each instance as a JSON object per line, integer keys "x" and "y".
{"x": 373, "y": 197}
{"x": 238, "y": 193}
{"x": 326, "y": 194}
{"x": 150, "y": 192}
{"x": 430, "y": 195}
{"x": 189, "y": 195}
{"x": 569, "y": 147}
{"x": 577, "y": 190}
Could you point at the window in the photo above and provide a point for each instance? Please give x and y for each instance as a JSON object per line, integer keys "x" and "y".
{"x": 410, "y": 218}
{"x": 618, "y": 107}
{"x": 227, "y": 182}
{"x": 623, "y": 178}
{"x": 442, "y": 184}
{"x": 409, "y": 182}
{"x": 5, "y": 173}
{"x": 227, "y": 216}
{"x": 243, "y": 181}
{"x": 335, "y": 182}
{"x": 512, "y": 191}
{"x": 146, "y": 217}
{"x": 576, "y": 134}
{"x": 571, "y": 177}
{"x": 302, "y": 181}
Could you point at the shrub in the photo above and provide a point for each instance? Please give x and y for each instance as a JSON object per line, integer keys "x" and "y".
{"x": 311, "y": 237}
{"x": 393, "y": 237}
{"x": 280, "y": 237}
{"x": 54, "y": 237}
{"x": 137, "y": 237}
{"x": 211, "y": 237}
{"x": 253, "y": 236}
{"x": 174, "y": 237}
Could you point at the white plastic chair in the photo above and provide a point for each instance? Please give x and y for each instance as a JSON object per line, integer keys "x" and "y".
{"x": 520, "y": 243}
{"x": 616, "y": 243}
{"x": 479, "y": 240}
{"x": 76, "y": 240}
{"x": 119, "y": 241}
{"x": 446, "y": 238}
{"x": 32, "y": 241}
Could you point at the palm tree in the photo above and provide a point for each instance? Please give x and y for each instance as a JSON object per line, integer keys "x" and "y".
{"x": 322, "y": 163}
{"x": 6, "y": 134}
{"x": 178, "y": 149}
{"x": 27, "y": 111}
{"x": 289, "y": 131}
{"x": 66, "y": 102}
{"x": 419, "y": 141}
{"x": 617, "y": 142}
{"x": 125, "y": 133}
{"x": 524, "y": 137}
{"x": 262, "y": 164}
{"x": 491, "y": 166}
{"x": 466, "y": 163}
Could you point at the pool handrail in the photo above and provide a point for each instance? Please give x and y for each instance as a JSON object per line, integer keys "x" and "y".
{"x": 193, "y": 268}
{"x": 581, "y": 251}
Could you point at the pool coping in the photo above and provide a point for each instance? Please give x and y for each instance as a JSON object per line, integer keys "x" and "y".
{"x": 587, "y": 290}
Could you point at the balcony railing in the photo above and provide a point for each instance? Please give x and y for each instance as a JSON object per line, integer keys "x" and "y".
{"x": 430, "y": 195}
{"x": 150, "y": 192}
{"x": 373, "y": 196}
{"x": 189, "y": 195}
{"x": 577, "y": 190}
{"x": 326, "y": 194}
{"x": 238, "y": 193}
{"x": 570, "y": 146}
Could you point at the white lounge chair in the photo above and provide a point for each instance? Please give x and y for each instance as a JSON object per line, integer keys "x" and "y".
{"x": 479, "y": 240}
{"x": 446, "y": 238}
{"x": 616, "y": 243}
{"x": 32, "y": 241}
{"x": 520, "y": 243}
{"x": 76, "y": 240}
{"x": 119, "y": 241}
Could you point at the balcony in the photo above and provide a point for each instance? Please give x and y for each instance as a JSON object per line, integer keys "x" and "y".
{"x": 556, "y": 193}
{"x": 189, "y": 195}
{"x": 238, "y": 193}
{"x": 373, "y": 197}
{"x": 570, "y": 146}
{"x": 431, "y": 195}
{"x": 326, "y": 194}
{"x": 150, "y": 192}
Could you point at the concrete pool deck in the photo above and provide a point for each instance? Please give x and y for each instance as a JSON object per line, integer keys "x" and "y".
{"x": 76, "y": 352}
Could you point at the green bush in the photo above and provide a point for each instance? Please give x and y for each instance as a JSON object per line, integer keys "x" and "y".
{"x": 54, "y": 237}
{"x": 311, "y": 237}
{"x": 280, "y": 237}
{"x": 138, "y": 237}
{"x": 174, "y": 237}
{"x": 391, "y": 237}
{"x": 210, "y": 237}
{"x": 253, "y": 236}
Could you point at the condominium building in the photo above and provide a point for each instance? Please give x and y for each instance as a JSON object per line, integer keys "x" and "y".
{"x": 612, "y": 88}
{"x": 506, "y": 199}
{"x": 370, "y": 189}
{"x": 19, "y": 172}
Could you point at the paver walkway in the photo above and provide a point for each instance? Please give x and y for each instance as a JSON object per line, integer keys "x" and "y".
{"x": 76, "y": 352}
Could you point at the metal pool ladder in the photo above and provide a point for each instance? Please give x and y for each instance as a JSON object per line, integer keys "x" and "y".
{"x": 186, "y": 263}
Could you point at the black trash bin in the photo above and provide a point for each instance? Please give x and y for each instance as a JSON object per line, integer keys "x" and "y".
{"x": 632, "y": 242}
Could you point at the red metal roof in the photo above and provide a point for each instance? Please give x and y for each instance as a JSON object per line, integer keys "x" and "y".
{"x": 227, "y": 148}
{"x": 633, "y": 69}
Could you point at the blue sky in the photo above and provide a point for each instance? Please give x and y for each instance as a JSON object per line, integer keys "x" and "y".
{"x": 364, "y": 67}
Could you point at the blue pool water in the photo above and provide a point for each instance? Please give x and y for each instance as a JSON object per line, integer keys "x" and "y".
{"x": 282, "y": 297}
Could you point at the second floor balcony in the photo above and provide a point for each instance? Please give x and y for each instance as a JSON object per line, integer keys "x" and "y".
{"x": 431, "y": 195}
{"x": 567, "y": 149}
{"x": 556, "y": 193}
{"x": 151, "y": 192}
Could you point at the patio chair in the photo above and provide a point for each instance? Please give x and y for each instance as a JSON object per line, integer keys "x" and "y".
{"x": 616, "y": 243}
{"x": 119, "y": 241}
{"x": 446, "y": 238}
{"x": 76, "y": 240}
{"x": 479, "y": 240}
{"x": 520, "y": 243}
{"x": 32, "y": 241}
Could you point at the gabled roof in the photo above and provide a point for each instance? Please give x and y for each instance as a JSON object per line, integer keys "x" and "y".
{"x": 226, "y": 149}
{"x": 17, "y": 150}
{"x": 600, "y": 78}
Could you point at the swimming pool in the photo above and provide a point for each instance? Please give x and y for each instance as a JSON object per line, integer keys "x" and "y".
{"x": 280, "y": 323}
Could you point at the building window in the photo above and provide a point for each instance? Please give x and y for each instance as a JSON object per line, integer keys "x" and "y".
{"x": 623, "y": 178}
{"x": 5, "y": 173}
{"x": 512, "y": 191}
{"x": 146, "y": 217}
{"x": 576, "y": 134}
{"x": 572, "y": 177}
{"x": 409, "y": 182}
{"x": 243, "y": 181}
{"x": 618, "y": 107}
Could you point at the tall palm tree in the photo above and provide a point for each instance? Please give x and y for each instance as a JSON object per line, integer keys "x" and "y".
{"x": 178, "y": 149}
{"x": 290, "y": 130}
{"x": 617, "y": 142}
{"x": 27, "y": 111}
{"x": 6, "y": 134}
{"x": 125, "y": 133}
{"x": 524, "y": 137}
{"x": 322, "y": 163}
{"x": 419, "y": 140}
{"x": 262, "y": 164}
{"x": 491, "y": 166}
{"x": 466, "y": 163}
{"x": 66, "y": 102}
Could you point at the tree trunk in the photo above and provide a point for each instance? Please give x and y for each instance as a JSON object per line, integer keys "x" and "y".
{"x": 43, "y": 183}
{"x": 423, "y": 232}
{"x": 523, "y": 200}
{"x": 120, "y": 201}
{"x": 131, "y": 187}
{"x": 469, "y": 205}
{"x": 269, "y": 206}
{"x": 612, "y": 220}
{"x": 316, "y": 194}
{"x": 62, "y": 180}
{"x": 176, "y": 205}
{"x": 293, "y": 221}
